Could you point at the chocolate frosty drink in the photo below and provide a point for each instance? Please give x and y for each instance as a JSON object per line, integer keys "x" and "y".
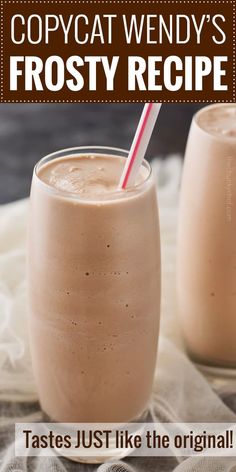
{"x": 94, "y": 274}
{"x": 207, "y": 238}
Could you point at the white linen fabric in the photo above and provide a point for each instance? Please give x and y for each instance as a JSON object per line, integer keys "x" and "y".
{"x": 181, "y": 393}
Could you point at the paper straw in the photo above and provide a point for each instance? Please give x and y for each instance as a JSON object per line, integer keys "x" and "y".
{"x": 139, "y": 144}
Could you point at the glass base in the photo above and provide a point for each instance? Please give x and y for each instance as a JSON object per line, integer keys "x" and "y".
{"x": 103, "y": 454}
{"x": 224, "y": 372}
{"x": 216, "y": 372}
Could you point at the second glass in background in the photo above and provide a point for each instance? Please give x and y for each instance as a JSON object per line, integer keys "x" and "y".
{"x": 206, "y": 276}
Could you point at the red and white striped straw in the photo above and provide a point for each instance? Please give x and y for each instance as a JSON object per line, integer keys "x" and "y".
{"x": 139, "y": 144}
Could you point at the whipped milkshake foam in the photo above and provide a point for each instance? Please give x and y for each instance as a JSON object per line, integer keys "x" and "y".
{"x": 220, "y": 121}
{"x": 206, "y": 278}
{"x": 86, "y": 176}
{"x": 94, "y": 274}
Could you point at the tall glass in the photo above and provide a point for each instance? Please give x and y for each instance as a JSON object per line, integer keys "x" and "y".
{"x": 94, "y": 278}
{"x": 206, "y": 276}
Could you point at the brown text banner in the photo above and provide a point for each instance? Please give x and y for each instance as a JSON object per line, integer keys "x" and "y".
{"x": 118, "y": 51}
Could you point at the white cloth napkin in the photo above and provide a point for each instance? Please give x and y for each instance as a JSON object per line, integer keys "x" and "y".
{"x": 181, "y": 393}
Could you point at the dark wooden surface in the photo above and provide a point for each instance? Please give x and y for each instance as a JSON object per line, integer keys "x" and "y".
{"x": 28, "y": 132}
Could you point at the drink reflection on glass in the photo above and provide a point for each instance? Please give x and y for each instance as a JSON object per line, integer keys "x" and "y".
{"x": 206, "y": 279}
{"x": 94, "y": 276}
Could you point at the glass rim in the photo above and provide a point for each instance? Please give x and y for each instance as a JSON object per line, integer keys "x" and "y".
{"x": 209, "y": 133}
{"x": 99, "y": 150}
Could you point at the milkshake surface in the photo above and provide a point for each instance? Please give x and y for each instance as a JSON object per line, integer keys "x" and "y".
{"x": 218, "y": 120}
{"x": 88, "y": 176}
{"x": 94, "y": 274}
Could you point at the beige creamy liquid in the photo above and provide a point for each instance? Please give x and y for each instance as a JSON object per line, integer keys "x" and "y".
{"x": 88, "y": 176}
{"x": 94, "y": 290}
{"x": 207, "y": 238}
{"x": 219, "y": 121}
